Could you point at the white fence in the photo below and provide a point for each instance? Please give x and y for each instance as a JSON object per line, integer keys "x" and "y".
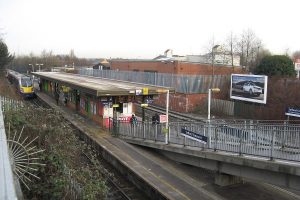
{"x": 272, "y": 140}
{"x": 10, "y": 104}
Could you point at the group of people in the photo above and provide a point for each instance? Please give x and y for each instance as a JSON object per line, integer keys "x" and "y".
{"x": 155, "y": 119}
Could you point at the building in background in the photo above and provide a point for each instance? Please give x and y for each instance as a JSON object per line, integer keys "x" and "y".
{"x": 297, "y": 67}
{"x": 103, "y": 64}
{"x": 175, "y": 64}
{"x": 191, "y": 72}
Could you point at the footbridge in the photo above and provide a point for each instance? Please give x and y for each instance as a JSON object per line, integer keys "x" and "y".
{"x": 258, "y": 150}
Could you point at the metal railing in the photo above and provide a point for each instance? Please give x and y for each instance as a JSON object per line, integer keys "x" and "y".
{"x": 187, "y": 84}
{"x": 271, "y": 140}
{"x": 7, "y": 185}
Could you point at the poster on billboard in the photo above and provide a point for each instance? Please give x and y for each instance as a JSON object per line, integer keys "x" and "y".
{"x": 252, "y": 88}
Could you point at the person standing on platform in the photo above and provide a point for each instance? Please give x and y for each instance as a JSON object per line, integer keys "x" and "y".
{"x": 156, "y": 118}
{"x": 56, "y": 95}
{"x": 133, "y": 120}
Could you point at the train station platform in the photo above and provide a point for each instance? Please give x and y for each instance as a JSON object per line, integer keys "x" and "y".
{"x": 159, "y": 176}
{"x": 154, "y": 170}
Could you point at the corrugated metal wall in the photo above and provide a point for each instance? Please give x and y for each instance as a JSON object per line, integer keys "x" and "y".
{"x": 187, "y": 84}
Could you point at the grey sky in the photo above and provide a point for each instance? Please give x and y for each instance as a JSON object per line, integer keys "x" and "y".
{"x": 144, "y": 29}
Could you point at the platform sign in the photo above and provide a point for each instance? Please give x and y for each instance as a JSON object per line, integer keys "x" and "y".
{"x": 143, "y": 105}
{"x": 145, "y": 91}
{"x": 163, "y": 119}
{"x": 293, "y": 112}
{"x": 194, "y": 136}
{"x": 116, "y": 106}
{"x": 138, "y": 92}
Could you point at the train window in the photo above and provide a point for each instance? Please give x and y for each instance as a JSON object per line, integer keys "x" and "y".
{"x": 26, "y": 82}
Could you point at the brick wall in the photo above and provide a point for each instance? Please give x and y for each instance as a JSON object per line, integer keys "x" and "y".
{"x": 182, "y": 102}
{"x": 206, "y": 69}
{"x": 158, "y": 66}
{"x": 175, "y": 67}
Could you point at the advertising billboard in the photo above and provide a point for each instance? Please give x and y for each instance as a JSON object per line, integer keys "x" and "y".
{"x": 252, "y": 88}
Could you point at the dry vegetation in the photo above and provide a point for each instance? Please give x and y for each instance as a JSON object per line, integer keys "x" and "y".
{"x": 64, "y": 154}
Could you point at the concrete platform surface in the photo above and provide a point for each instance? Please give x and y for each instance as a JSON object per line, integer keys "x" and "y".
{"x": 173, "y": 180}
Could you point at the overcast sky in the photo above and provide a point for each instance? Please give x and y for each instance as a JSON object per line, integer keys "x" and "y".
{"x": 144, "y": 29}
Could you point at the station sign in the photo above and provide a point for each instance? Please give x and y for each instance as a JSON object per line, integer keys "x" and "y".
{"x": 149, "y": 100}
{"x": 145, "y": 91}
{"x": 194, "y": 136}
{"x": 293, "y": 112}
{"x": 106, "y": 103}
{"x": 163, "y": 118}
{"x": 105, "y": 98}
{"x": 138, "y": 92}
{"x": 143, "y": 105}
{"x": 124, "y": 119}
{"x": 115, "y": 105}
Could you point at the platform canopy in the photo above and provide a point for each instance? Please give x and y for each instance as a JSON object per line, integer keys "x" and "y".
{"x": 101, "y": 86}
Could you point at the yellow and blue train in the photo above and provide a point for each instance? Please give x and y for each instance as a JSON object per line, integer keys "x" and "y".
{"x": 23, "y": 83}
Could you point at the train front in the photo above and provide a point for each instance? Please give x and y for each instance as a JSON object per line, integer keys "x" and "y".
{"x": 26, "y": 87}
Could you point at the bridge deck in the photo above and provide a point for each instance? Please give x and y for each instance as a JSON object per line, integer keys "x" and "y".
{"x": 172, "y": 180}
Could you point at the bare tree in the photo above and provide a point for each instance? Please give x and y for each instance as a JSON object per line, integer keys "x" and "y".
{"x": 248, "y": 48}
{"x": 231, "y": 46}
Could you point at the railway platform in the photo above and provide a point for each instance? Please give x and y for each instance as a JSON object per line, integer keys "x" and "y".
{"x": 156, "y": 175}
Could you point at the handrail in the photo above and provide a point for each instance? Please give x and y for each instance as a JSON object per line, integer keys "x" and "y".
{"x": 7, "y": 185}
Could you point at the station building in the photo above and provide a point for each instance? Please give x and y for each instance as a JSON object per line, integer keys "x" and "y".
{"x": 98, "y": 98}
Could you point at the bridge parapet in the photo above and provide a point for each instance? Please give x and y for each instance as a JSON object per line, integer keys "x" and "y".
{"x": 269, "y": 153}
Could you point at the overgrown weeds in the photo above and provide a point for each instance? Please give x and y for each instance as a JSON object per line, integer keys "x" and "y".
{"x": 72, "y": 169}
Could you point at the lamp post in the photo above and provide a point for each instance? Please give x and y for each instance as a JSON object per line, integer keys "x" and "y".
{"x": 209, "y": 99}
{"x": 208, "y": 112}
{"x": 39, "y": 66}
{"x": 167, "y": 135}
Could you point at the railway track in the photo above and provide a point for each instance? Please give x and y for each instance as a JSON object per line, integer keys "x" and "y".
{"x": 119, "y": 187}
{"x": 174, "y": 116}
{"x": 36, "y": 102}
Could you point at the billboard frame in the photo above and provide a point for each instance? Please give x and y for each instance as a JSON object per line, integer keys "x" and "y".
{"x": 243, "y": 96}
